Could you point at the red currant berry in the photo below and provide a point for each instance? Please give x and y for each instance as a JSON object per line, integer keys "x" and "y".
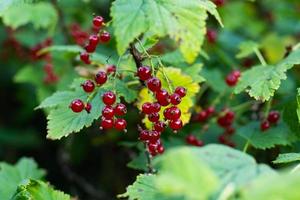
{"x": 159, "y": 126}
{"x": 109, "y": 98}
{"x": 101, "y": 77}
{"x": 93, "y": 40}
{"x": 248, "y": 62}
{"x": 85, "y": 57}
{"x": 172, "y": 113}
{"x": 144, "y": 135}
{"x": 210, "y": 110}
{"x": 224, "y": 121}
{"x": 230, "y": 115}
{"x": 98, "y": 21}
{"x": 236, "y": 73}
{"x": 219, "y": 3}
{"x": 111, "y": 69}
{"x": 108, "y": 112}
{"x": 153, "y": 117}
{"x": 202, "y": 116}
{"x": 198, "y": 143}
{"x": 88, "y": 86}
{"x": 160, "y": 149}
{"x": 147, "y": 108}
{"x": 90, "y": 48}
{"x": 273, "y": 117}
{"x": 181, "y": 91}
{"x": 153, "y": 136}
{"x": 231, "y": 80}
{"x": 175, "y": 124}
{"x": 175, "y": 99}
{"x": 88, "y": 107}
{"x": 265, "y": 125}
{"x": 190, "y": 139}
{"x": 120, "y": 109}
{"x": 120, "y": 124}
{"x": 107, "y": 123}
{"x": 211, "y": 36}
{"x": 163, "y": 97}
{"x": 229, "y": 130}
{"x": 152, "y": 148}
{"x": 222, "y": 139}
{"x": 155, "y": 107}
{"x": 77, "y": 105}
{"x": 154, "y": 84}
{"x": 144, "y": 73}
{"x": 230, "y": 144}
{"x": 104, "y": 36}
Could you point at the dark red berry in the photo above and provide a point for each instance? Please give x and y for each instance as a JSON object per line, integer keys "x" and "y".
{"x": 120, "y": 124}
{"x": 88, "y": 86}
{"x": 107, "y": 123}
{"x": 175, "y": 99}
{"x": 153, "y": 117}
{"x": 226, "y": 120}
{"x": 94, "y": 40}
{"x": 109, "y": 98}
{"x": 159, "y": 126}
{"x": 101, "y": 77}
{"x": 88, "y": 107}
{"x": 163, "y": 97}
{"x": 222, "y": 139}
{"x": 231, "y": 80}
{"x": 144, "y": 73}
{"x": 108, "y": 112}
{"x": 77, "y": 105}
{"x": 190, "y": 139}
{"x": 210, "y": 110}
{"x": 153, "y": 136}
{"x": 198, "y": 143}
{"x": 273, "y": 117}
{"x": 236, "y": 73}
{"x": 155, "y": 107}
{"x": 104, "y": 36}
{"x": 248, "y": 62}
{"x": 202, "y": 116}
{"x": 90, "y": 48}
{"x": 147, "y": 108}
{"x": 175, "y": 124}
{"x": 98, "y": 21}
{"x": 229, "y": 130}
{"x": 85, "y": 57}
{"x": 144, "y": 135}
{"x": 230, "y": 115}
{"x": 174, "y": 113}
{"x": 265, "y": 125}
{"x": 154, "y": 84}
{"x": 230, "y": 144}
{"x": 219, "y": 2}
{"x": 160, "y": 149}
{"x": 111, "y": 69}
{"x": 152, "y": 148}
{"x": 181, "y": 91}
{"x": 211, "y": 36}
{"x": 120, "y": 109}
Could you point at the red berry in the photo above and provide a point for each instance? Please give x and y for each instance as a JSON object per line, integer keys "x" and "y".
{"x": 236, "y": 73}
{"x": 181, "y": 91}
{"x": 231, "y": 80}
{"x": 273, "y": 117}
{"x": 175, "y": 124}
{"x": 144, "y": 73}
{"x": 265, "y": 125}
{"x": 174, "y": 113}
{"x": 109, "y": 98}
{"x": 160, "y": 149}
{"x": 210, "y": 110}
{"x": 202, "y": 116}
{"x": 120, "y": 124}
{"x": 159, "y": 126}
{"x": 152, "y": 148}
{"x": 154, "y": 136}
{"x": 211, "y": 36}
{"x": 229, "y": 130}
{"x": 219, "y": 2}
{"x": 222, "y": 139}
{"x": 88, "y": 86}
{"x": 154, "y": 84}
{"x": 90, "y": 48}
{"x": 230, "y": 115}
{"x": 175, "y": 99}
{"x": 144, "y": 135}
{"x": 155, "y": 107}
{"x": 226, "y": 120}
{"x": 98, "y": 21}
{"x": 108, "y": 112}
{"x": 147, "y": 108}
{"x": 248, "y": 62}
{"x": 93, "y": 40}
{"x": 88, "y": 107}
{"x": 85, "y": 57}
{"x": 120, "y": 109}
{"x": 163, "y": 97}
{"x": 107, "y": 123}
{"x": 190, "y": 139}
{"x": 198, "y": 143}
{"x": 111, "y": 69}
{"x": 101, "y": 77}
{"x": 153, "y": 117}
{"x": 77, "y": 105}
{"x": 104, "y": 36}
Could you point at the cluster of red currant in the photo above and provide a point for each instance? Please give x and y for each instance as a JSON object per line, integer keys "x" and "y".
{"x": 233, "y": 78}
{"x": 205, "y": 114}
{"x": 225, "y": 120}
{"x": 79, "y": 36}
{"x": 192, "y": 140}
{"x": 94, "y": 39}
{"x": 272, "y": 118}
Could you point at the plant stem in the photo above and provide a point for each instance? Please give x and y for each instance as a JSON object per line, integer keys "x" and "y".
{"x": 246, "y": 146}
{"x": 149, "y": 160}
{"x": 268, "y": 107}
{"x": 260, "y": 57}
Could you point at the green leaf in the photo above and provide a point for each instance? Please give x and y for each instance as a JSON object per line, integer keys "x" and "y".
{"x": 13, "y": 175}
{"x": 212, "y": 9}
{"x": 184, "y": 22}
{"x": 247, "y": 48}
{"x": 123, "y": 90}
{"x": 214, "y": 79}
{"x": 287, "y": 158}
{"x": 139, "y": 162}
{"x": 278, "y": 135}
{"x": 6, "y": 4}
{"x": 289, "y": 116}
{"x": 62, "y": 48}
{"x": 38, "y": 190}
{"x": 194, "y": 71}
{"x": 298, "y": 103}
{"x": 41, "y": 15}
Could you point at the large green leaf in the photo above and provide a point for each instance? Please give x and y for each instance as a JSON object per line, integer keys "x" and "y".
{"x": 247, "y": 48}
{"x": 183, "y": 21}
{"x": 6, "y": 4}
{"x": 13, "y": 175}
{"x": 287, "y": 158}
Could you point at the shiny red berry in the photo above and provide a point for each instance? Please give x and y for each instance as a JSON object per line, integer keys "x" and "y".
{"x": 198, "y": 143}
{"x": 104, "y": 36}
{"x": 181, "y": 91}
{"x": 120, "y": 109}
{"x": 144, "y": 73}
{"x": 90, "y": 48}
{"x": 159, "y": 126}
{"x": 111, "y": 69}
{"x": 175, "y": 99}
{"x": 147, "y": 108}
{"x": 101, "y": 77}
{"x": 120, "y": 124}
{"x": 155, "y": 107}
{"x": 211, "y": 36}
{"x": 144, "y": 135}
{"x": 265, "y": 125}
{"x": 108, "y": 112}
{"x": 88, "y": 107}
{"x": 172, "y": 113}
{"x": 88, "y": 86}
{"x": 236, "y": 73}
{"x": 107, "y": 123}
{"x": 160, "y": 149}
{"x": 98, "y": 21}
{"x": 154, "y": 84}
{"x": 109, "y": 98}
{"x": 153, "y": 136}
{"x": 231, "y": 80}
{"x": 85, "y": 57}
{"x": 273, "y": 117}
{"x": 210, "y": 110}
{"x": 153, "y": 117}
{"x": 175, "y": 124}
{"x": 77, "y": 105}
{"x": 94, "y": 40}
{"x": 163, "y": 97}
{"x": 202, "y": 116}
{"x": 190, "y": 139}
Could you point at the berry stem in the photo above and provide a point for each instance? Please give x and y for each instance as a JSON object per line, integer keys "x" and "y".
{"x": 135, "y": 82}
{"x": 171, "y": 89}
{"x": 147, "y": 54}
{"x": 246, "y": 146}
{"x": 151, "y": 170}
{"x": 260, "y": 57}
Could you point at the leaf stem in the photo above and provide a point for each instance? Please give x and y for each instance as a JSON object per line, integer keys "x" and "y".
{"x": 268, "y": 107}
{"x": 260, "y": 57}
{"x": 246, "y": 146}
